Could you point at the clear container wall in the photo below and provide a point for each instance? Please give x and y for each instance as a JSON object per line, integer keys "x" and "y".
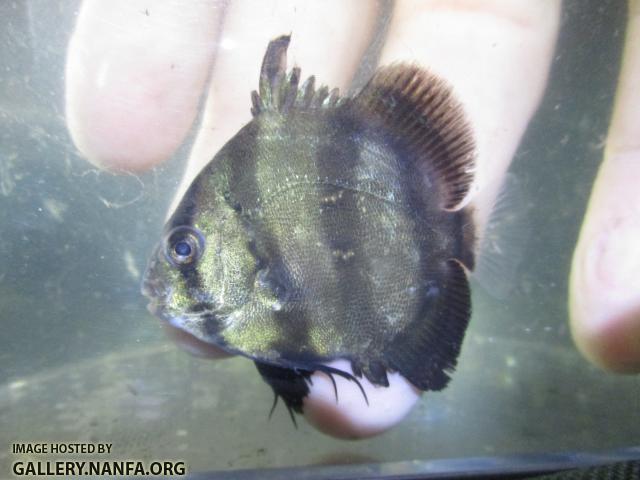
{"x": 83, "y": 361}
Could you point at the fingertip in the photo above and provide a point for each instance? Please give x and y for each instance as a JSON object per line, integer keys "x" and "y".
{"x": 615, "y": 345}
{"x": 351, "y": 418}
{"x": 134, "y": 76}
{"x": 509, "y": 47}
{"x": 117, "y": 139}
{"x": 192, "y": 345}
{"x": 609, "y": 339}
{"x": 605, "y": 294}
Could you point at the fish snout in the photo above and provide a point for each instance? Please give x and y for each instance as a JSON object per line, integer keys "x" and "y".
{"x": 154, "y": 286}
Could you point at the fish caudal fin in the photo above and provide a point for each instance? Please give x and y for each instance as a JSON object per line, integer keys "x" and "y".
{"x": 422, "y": 115}
{"x": 504, "y": 241}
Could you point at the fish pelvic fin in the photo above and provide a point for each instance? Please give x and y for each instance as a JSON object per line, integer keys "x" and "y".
{"x": 422, "y": 116}
{"x": 292, "y": 384}
{"x": 288, "y": 384}
{"x": 280, "y": 91}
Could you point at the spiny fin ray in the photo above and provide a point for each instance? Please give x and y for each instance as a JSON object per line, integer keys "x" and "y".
{"x": 279, "y": 91}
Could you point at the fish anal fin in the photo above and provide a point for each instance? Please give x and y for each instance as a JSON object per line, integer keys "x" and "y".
{"x": 422, "y": 115}
{"x": 426, "y": 352}
{"x": 373, "y": 370}
{"x": 330, "y": 371}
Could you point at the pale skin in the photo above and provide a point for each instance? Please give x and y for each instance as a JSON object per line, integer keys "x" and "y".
{"x": 136, "y": 74}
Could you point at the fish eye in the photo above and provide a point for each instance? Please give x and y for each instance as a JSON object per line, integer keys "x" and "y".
{"x": 183, "y": 246}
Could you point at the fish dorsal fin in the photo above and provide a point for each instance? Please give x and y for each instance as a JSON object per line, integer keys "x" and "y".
{"x": 279, "y": 91}
{"x": 420, "y": 111}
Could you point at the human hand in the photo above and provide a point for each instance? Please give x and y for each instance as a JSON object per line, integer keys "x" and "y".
{"x": 604, "y": 298}
{"x": 135, "y": 77}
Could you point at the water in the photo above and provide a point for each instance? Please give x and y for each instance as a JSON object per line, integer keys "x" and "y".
{"x": 82, "y": 360}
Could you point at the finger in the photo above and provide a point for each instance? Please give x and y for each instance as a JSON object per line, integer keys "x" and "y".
{"x": 352, "y": 416}
{"x": 328, "y": 39}
{"x": 496, "y": 55}
{"x": 193, "y": 345}
{"x": 605, "y": 276}
{"x": 135, "y": 72}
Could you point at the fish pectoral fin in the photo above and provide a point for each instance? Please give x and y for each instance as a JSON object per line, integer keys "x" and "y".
{"x": 426, "y": 352}
{"x": 292, "y": 385}
{"x": 375, "y": 371}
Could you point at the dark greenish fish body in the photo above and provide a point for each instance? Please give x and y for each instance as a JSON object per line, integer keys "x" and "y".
{"x": 329, "y": 228}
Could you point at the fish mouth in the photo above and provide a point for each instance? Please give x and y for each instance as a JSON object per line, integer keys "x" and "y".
{"x": 153, "y": 286}
{"x": 158, "y": 309}
{"x": 187, "y": 330}
{"x": 158, "y": 293}
{"x": 175, "y": 326}
{"x": 156, "y": 288}
{"x": 197, "y": 321}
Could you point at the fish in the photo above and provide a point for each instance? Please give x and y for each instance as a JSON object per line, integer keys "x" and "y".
{"x": 329, "y": 227}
